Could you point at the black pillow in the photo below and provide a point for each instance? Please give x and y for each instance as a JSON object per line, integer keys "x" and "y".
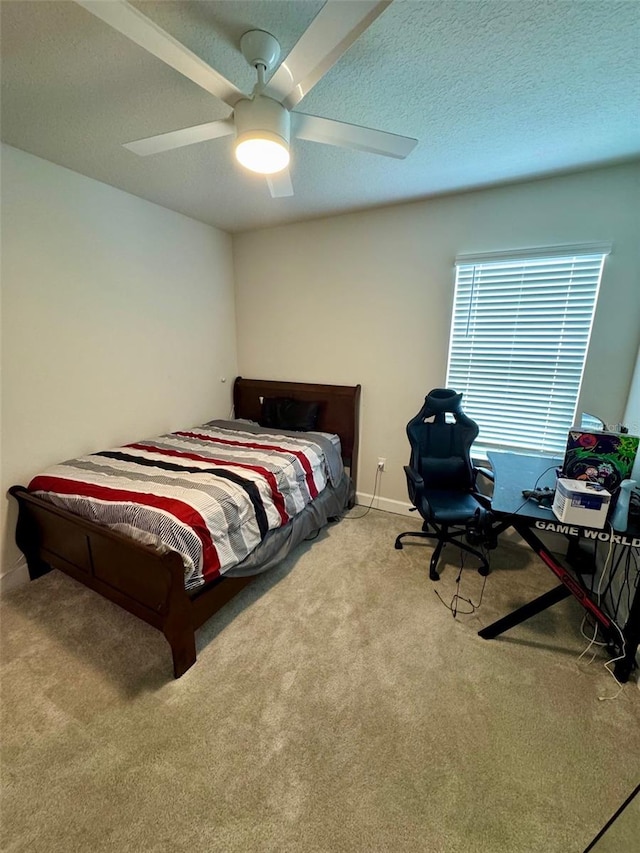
{"x": 285, "y": 413}
{"x": 445, "y": 473}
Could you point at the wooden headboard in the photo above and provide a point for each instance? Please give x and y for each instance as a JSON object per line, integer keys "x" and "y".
{"x": 339, "y": 409}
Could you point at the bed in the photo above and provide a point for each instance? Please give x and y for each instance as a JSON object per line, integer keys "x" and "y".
{"x": 159, "y": 583}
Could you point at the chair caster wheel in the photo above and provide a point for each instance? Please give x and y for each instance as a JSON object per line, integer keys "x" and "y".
{"x": 434, "y": 576}
{"x": 398, "y": 545}
{"x": 484, "y": 571}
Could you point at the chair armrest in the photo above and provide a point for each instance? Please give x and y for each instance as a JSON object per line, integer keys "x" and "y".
{"x": 486, "y": 472}
{"x": 415, "y": 484}
{"x": 413, "y": 477}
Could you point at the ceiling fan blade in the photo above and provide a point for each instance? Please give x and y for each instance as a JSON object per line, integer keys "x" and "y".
{"x": 280, "y": 185}
{"x": 178, "y": 138}
{"x": 126, "y": 19}
{"x": 332, "y": 132}
{"x": 334, "y": 29}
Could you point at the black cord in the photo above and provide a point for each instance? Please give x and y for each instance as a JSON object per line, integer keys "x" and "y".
{"x": 550, "y": 468}
{"x": 615, "y": 563}
{"x": 514, "y": 512}
{"x": 453, "y": 607}
{"x": 625, "y": 583}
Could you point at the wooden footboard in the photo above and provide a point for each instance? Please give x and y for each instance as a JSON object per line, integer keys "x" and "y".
{"x": 135, "y": 576}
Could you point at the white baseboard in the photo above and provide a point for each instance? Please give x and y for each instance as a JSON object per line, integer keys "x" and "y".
{"x": 17, "y": 576}
{"x": 385, "y": 504}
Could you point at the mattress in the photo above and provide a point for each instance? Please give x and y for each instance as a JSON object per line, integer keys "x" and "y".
{"x": 214, "y": 492}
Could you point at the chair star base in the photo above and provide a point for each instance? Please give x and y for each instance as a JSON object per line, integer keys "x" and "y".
{"x": 443, "y": 535}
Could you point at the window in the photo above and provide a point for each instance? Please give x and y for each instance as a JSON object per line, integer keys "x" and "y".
{"x": 519, "y": 337}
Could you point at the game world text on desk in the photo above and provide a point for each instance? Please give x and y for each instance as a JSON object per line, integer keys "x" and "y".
{"x": 589, "y": 533}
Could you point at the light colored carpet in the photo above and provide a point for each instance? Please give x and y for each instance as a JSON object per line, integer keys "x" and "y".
{"x": 624, "y": 831}
{"x": 336, "y": 705}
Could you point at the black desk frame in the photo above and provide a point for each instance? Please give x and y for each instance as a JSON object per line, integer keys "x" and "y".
{"x": 525, "y": 525}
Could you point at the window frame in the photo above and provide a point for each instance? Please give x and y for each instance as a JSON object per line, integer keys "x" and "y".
{"x": 530, "y": 264}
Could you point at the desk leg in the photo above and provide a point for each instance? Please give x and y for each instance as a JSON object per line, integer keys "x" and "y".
{"x": 558, "y": 593}
{"x": 575, "y": 588}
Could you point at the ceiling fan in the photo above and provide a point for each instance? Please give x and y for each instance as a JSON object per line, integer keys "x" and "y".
{"x": 263, "y": 121}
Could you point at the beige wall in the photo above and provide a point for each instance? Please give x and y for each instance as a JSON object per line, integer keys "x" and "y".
{"x": 632, "y": 411}
{"x": 117, "y": 322}
{"x": 118, "y": 315}
{"x": 632, "y": 415}
{"x": 367, "y": 297}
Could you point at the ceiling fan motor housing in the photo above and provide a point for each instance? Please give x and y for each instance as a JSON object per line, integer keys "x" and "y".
{"x": 262, "y": 115}
{"x": 261, "y": 118}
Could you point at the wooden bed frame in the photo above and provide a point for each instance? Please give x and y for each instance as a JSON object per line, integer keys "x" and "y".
{"x": 138, "y": 577}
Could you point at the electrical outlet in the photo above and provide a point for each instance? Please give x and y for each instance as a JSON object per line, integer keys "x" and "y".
{"x": 381, "y": 463}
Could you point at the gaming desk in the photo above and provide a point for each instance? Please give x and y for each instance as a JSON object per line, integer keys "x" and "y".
{"x": 514, "y": 472}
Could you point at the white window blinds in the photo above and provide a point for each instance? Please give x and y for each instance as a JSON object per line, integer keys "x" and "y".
{"x": 519, "y": 339}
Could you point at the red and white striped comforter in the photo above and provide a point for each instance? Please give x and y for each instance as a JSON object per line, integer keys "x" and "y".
{"x": 211, "y": 494}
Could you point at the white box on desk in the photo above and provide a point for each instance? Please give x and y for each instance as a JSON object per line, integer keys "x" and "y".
{"x": 581, "y": 502}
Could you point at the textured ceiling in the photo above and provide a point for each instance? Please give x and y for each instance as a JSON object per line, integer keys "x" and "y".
{"x": 494, "y": 91}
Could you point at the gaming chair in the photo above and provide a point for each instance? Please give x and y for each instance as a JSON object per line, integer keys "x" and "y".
{"x": 441, "y": 479}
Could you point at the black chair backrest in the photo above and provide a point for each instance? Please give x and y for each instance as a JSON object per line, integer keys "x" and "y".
{"x": 441, "y": 451}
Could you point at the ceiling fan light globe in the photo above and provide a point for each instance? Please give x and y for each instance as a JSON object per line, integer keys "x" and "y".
{"x": 262, "y": 152}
